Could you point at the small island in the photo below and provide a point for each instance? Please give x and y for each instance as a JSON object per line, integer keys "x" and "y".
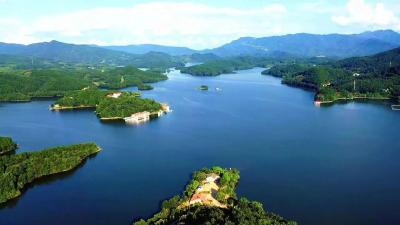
{"x": 210, "y": 198}
{"x": 203, "y": 88}
{"x": 111, "y": 106}
{"x": 7, "y": 145}
{"x": 18, "y": 170}
{"x": 144, "y": 87}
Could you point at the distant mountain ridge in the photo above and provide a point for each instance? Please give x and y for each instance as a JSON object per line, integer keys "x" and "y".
{"x": 146, "y": 48}
{"x": 312, "y": 45}
{"x": 298, "y": 45}
{"x": 88, "y": 54}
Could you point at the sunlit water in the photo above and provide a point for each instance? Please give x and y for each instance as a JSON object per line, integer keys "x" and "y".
{"x": 329, "y": 165}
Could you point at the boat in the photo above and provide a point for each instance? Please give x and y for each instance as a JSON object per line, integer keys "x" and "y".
{"x": 396, "y": 107}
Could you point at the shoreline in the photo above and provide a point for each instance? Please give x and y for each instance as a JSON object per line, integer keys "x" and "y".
{"x": 81, "y": 162}
{"x": 351, "y": 99}
{"x": 57, "y": 108}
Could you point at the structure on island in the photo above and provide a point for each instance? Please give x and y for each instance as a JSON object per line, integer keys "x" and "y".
{"x": 210, "y": 198}
{"x": 114, "y": 95}
{"x": 141, "y": 117}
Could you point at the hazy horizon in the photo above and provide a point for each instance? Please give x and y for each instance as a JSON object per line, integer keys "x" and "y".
{"x": 195, "y": 24}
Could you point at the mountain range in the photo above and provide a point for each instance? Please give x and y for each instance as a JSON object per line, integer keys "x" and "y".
{"x": 146, "y": 48}
{"x": 313, "y": 45}
{"x": 301, "y": 45}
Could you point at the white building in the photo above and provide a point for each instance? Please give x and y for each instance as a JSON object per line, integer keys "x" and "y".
{"x": 139, "y": 117}
{"x": 114, "y": 95}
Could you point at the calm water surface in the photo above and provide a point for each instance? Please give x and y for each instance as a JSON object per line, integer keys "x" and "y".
{"x": 329, "y": 165}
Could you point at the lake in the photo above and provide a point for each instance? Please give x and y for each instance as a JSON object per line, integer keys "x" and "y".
{"x": 316, "y": 165}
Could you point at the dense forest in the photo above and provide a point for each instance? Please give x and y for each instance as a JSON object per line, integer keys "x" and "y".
{"x": 122, "y": 106}
{"x": 374, "y": 77}
{"x": 18, "y": 170}
{"x": 238, "y": 211}
{"x": 7, "y": 145}
{"x": 89, "y": 97}
{"x": 126, "y": 105}
{"x": 17, "y": 83}
{"x": 230, "y": 65}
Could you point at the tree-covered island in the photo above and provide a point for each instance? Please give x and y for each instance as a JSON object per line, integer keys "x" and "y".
{"x": 7, "y": 145}
{"x": 18, "y": 170}
{"x": 210, "y": 198}
{"x": 109, "y": 105}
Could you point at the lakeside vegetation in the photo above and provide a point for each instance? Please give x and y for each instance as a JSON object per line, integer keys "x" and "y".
{"x": 217, "y": 67}
{"x": 230, "y": 65}
{"x": 126, "y": 105}
{"x": 18, "y": 170}
{"x": 237, "y": 211}
{"x": 7, "y": 145}
{"x": 107, "y": 106}
{"x": 18, "y": 82}
{"x": 371, "y": 77}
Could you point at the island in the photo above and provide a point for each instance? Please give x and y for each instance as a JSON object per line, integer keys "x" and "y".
{"x": 112, "y": 106}
{"x": 203, "y": 88}
{"x": 210, "y": 198}
{"x": 7, "y": 145}
{"x": 18, "y": 170}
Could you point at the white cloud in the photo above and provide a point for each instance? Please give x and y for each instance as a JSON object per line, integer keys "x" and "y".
{"x": 359, "y": 12}
{"x": 185, "y": 24}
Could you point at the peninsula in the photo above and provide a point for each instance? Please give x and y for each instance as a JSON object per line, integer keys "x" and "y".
{"x": 210, "y": 198}
{"x": 7, "y": 145}
{"x": 18, "y": 170}
{"x": 370, "y": 77}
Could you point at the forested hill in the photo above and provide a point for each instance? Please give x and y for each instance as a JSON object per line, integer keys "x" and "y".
{"x": 86, "y": 54}
{"x": 311, "y": 45}
{"x": 147, "y": 48}
{"x": 385, "y": 63}
{"x": 374, "y": 77}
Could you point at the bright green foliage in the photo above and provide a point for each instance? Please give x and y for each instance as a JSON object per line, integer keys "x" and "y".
{"x": 144, "y": 87}
{"x": 217, "y": 67}
{"x": 38, "y": 83}
{"x": 240, "y": 211}
{"x": 107, "y": 107}
{"x": 20, "y": 80}
{"x": 126, "y": 105}
{"x": 116, "y": 78}
{"x": 230, "y": 65}
{"x": 16, "y": 171}
{"x": 89, "y": 97}
{"x": 285, "y": 70}
{"x": 7, "y": 145}
{"x": 376, "y": 77}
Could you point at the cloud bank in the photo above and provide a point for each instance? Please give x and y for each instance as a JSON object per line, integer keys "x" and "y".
{"x": 376, "y": 16}
{"x": 185, "y": 24}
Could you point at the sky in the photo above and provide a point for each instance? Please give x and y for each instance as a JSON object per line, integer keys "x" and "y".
{"x": 197, "y": 24}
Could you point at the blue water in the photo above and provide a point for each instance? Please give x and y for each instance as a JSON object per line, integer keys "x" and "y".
{"x": 328, "y": 165}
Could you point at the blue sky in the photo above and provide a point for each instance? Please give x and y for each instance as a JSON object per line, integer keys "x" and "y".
{"x": 196, "y": 24}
